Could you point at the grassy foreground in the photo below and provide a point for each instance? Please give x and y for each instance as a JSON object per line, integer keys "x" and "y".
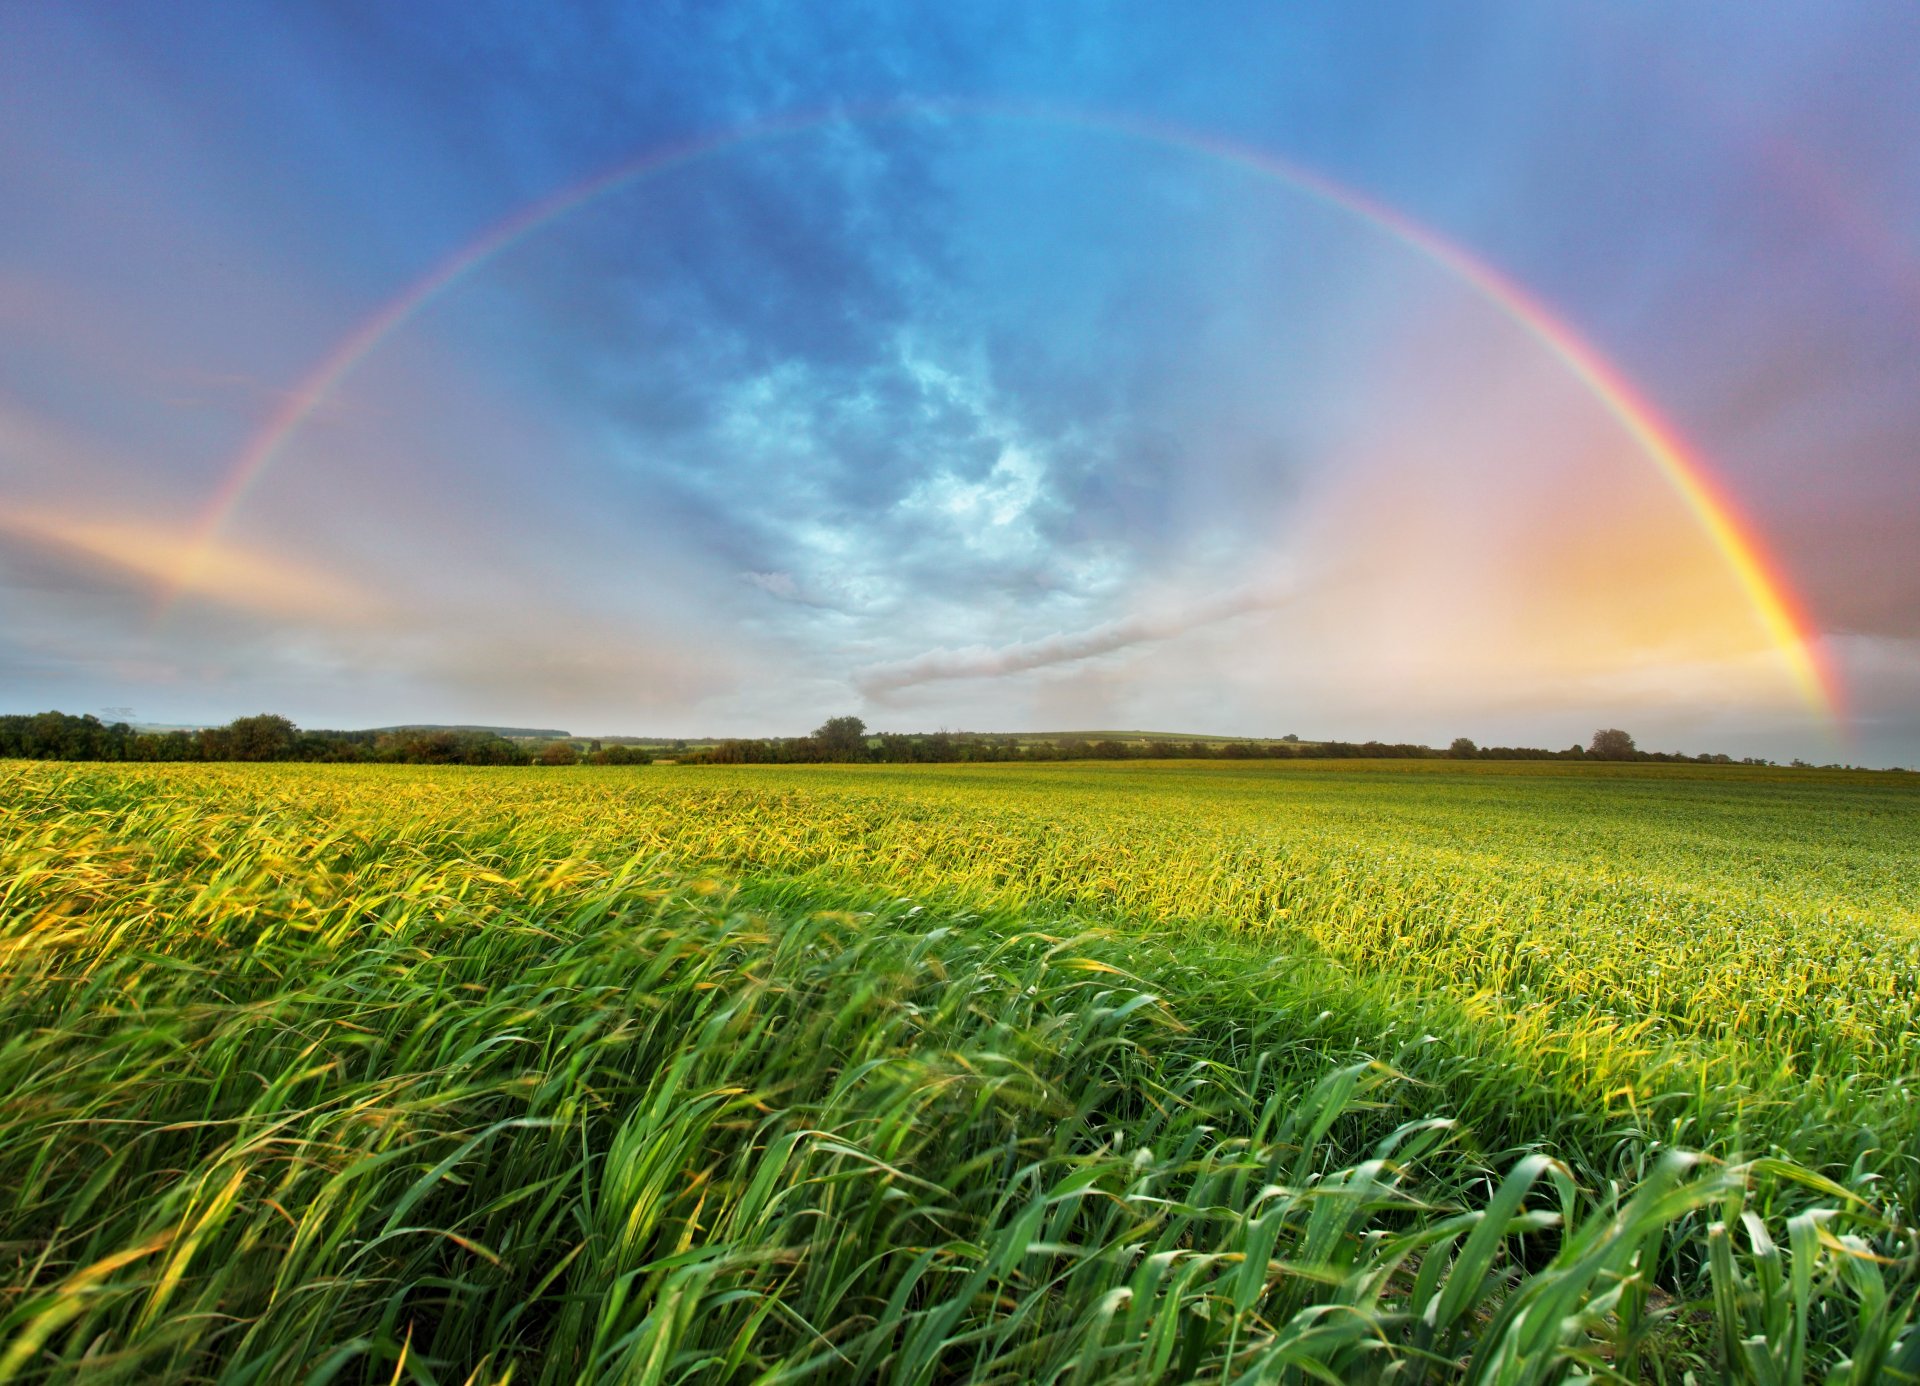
{"x": 1046, "y": 1073}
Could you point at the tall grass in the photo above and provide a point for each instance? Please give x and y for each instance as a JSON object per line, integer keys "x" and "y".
{"x": 1725, "y": 959}
{"x": 317, "y": 1077}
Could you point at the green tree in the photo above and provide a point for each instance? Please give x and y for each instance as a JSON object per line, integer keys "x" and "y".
{"x": 621, "y": 755}
{"x": 1610, "y": 743}
{"x": 843, "y": 738}
{"x": 264, "y": 737}
{"x": 1463, "y": 748}
{"x": 558, "y": 753}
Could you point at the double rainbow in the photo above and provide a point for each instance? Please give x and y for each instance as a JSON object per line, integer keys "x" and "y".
{"x": 1738, "y": 542}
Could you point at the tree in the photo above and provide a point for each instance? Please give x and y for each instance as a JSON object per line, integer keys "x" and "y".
{"x": 264, "y": 737}
{"x": 1610, "y": 743}
{"x": 57, "y": 736}
{"x": 843, "y": 738}
{"x": 558, "y": 753}
{"x": 622, "y": 755}
{"x": 426, "y": 748}
{"x": 1463, "y": 748}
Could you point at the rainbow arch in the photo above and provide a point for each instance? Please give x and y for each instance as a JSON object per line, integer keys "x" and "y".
{"x": 1687, "y": 471}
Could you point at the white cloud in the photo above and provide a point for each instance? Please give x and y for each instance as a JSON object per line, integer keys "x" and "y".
{"x": 980, "y": 661}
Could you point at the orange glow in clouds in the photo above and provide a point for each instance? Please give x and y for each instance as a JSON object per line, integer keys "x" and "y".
{"x": 163, "y": 558}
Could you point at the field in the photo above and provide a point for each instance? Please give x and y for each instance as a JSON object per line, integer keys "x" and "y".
{"x": 1402, "y": 1071}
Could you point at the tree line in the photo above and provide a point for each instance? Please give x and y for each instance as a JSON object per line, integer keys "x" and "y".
{"x": 61, "y": 736}
{"x": 846, "y": 740}
{"x": 268, "y": 737}
{"x": 936, "y": 748}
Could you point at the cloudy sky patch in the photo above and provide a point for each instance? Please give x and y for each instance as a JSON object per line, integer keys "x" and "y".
{"x": 938, "y": 407}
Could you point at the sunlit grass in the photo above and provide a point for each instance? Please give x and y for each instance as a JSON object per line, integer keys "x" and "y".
{"x": 669, "y": 1075}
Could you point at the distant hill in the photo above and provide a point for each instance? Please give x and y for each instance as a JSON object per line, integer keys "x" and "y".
{"x": 511, "y": 733}
{"x": 1023, "y": 737}
{"x": 1058, "y": 736}
{"x": 693, "y": 742}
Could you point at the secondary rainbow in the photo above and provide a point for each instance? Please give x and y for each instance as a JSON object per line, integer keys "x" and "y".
{"x": 1688, "y": 472}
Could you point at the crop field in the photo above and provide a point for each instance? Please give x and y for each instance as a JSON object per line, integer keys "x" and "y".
{"x": 1309, "y": 1071}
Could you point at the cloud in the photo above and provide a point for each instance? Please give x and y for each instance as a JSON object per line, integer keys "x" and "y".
{"x": 155, "y": 556}
{"x": 576, "y": 666}
{"x": 779, "y": 585}
{"x": 982, "y": 662}
{"x": 814, "y": 405}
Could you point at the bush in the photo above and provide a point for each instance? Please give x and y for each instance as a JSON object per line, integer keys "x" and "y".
{"x": 558, "y": 753}
{"x": 621, "y": 755}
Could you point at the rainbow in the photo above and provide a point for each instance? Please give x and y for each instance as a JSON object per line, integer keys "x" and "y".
{"x": 1689, "y": 473}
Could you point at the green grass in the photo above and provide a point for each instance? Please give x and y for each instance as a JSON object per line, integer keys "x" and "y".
{"x": 925, "y": 1074}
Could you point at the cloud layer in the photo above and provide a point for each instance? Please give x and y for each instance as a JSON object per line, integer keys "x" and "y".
{"x": 978, "y": 418}
{"x": 982, "y": 662}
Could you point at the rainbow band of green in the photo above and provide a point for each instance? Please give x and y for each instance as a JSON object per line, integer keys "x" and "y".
{"x": 1685, "y": 470}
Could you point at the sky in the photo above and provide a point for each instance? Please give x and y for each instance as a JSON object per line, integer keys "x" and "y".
{"x": 1398, "y": 371}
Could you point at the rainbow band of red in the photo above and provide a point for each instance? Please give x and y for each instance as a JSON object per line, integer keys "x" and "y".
{"x": 1738, "y": 542}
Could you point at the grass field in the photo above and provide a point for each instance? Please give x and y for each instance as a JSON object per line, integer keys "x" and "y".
{"x": 1408, "y": 1071}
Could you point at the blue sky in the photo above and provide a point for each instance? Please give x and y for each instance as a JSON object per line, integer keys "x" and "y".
{"x": 959, "y": 404}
